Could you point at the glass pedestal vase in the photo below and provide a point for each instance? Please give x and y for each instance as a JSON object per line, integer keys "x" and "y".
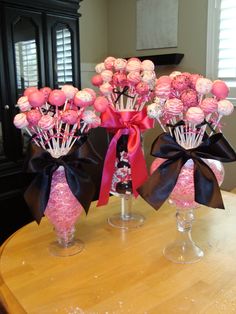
{"x": 126, "y": 219}
{"x": 63, "y": 211}
{"x": 183, "y": 250}
{"x": 122, "y": 187}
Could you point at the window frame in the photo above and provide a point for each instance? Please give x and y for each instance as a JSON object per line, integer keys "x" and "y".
{"x": 212, "y": 45}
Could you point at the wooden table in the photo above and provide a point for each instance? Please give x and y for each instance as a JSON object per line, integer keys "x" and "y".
{"x": 123, "y": 272}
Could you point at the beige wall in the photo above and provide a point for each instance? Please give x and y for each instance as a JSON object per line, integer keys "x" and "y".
{"x": 93, "y": 30}
{"x": 108, "y": 27}
{"x": 191, "y": 32}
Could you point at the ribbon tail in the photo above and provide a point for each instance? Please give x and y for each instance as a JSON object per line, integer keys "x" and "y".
{"x": 167, "y": 174}
{"x": 81, "y": 186}
{"x": 37, "y": 195}
{"x": 108, "y": 170}
{"x": 207, "y": 191}
{"x": 137, "y": 162}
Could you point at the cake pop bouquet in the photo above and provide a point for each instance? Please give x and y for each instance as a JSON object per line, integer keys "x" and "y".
{"x": 57, "y": 122}
{"x": 125, "y": 87}
{"x": 189, "y": 109}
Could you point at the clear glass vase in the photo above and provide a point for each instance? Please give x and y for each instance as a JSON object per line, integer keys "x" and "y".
{"x": 126, "y": 218}
{"x": 183, "y": 249}
{"x": 63, "y": 211}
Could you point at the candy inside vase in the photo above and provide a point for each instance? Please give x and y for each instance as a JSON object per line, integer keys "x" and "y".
{"x": 63, "y": 211}
{"x": 122, "y": 187}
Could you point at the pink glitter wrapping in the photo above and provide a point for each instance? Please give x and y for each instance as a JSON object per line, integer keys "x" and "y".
{"x": 63, "y": 209}
{"x": 182, "y": 195}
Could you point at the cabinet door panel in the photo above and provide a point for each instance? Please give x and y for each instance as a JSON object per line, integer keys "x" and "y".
{"x": 30, "y": 55}
{"x": 25, "y": 45}
{"x": 24, "y": 66}
{"x": 63, "y": 46}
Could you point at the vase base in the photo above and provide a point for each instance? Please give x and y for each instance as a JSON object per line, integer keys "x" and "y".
{"x": 59, "y": 250}
{"x": 130, "y": 221}
{"x": 183, "y": 252}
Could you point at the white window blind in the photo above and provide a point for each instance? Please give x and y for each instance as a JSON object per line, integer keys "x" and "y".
{"x": 221, "y": 42}
{"x": 227, "y": 42}
{"x": 64, "y": 58}
{"x": 26, "y": 64}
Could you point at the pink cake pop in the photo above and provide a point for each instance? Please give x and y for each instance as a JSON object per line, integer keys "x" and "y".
{"x": 30, "y": 90}
{"x": 120, "y": 64}
{"x": 148, "y": 76}
{"x": 57, "y": 98}
{"x": 97, "y": 80}
{"x": 46, "y": 122}
{"x": 164, "y": 79}
{"x": 36, "y": 99}
{"x": 163, "y": 90}
{"x": 193, "y": 79}
{"x": 69, "y": 91}
{"x": 91, "y": 92}
{"x": 173, "y": 106}
{"x": 109, "y": 63}
{"x": 174, "y": 74}
{"x": 220, "y": 89}
{"x": 96, "y": 122}
{"x": 147, "y": 65}
{"x": 106, "y": 75}
{"x": 209, "y": 105}
{"x": 203, "y": 86}
{"x": 106, "y": 89}
{"x": 134, "y": 77}
{"x": 23, "y": 104}
{"x": 101, "y": 104}
{"x": 83, "y": 99}
{"x": 186, "y": 74}
{"x": 142, "y": 88}
{"x": 133, "y": 64}
{"x": 119, "y": 79}
{"x": 89, "y": 117}
{"x": 180, "y": 82}
{"x": 154, "y": 111}
{"x": 189, "y": 98}
{"x": 46, "y": 91}
{"x": 69, "y": 116}
{"x": 195, "y": 115}
{"x": 33, "y": 116}
{"x": 100, "y": 67}
{"x": 20, "y": 120}
{"x": 225, "y": 107}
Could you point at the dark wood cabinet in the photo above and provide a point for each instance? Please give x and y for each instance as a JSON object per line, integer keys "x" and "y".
{"x": 39, "y": 46}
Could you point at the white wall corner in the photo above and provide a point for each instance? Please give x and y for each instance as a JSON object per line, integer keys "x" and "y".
{"x": 212, "y": 38}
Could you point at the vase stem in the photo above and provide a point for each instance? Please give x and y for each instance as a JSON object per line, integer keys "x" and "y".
{"x": 126, "y": 218}
{"x": 126, "y": 206}
{"x": 183, "y": 249}
{"x": 66, "y": 238}
{"x": 184, "y": 220}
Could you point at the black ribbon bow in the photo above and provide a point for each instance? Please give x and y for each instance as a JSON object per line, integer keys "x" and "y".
{"x": 179, "y": 123}
{"x": 205, "y": 122}
{"x": 161, "y": 183}
{"x": 43, "y": 165}
{"x": 123, "y": 92}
